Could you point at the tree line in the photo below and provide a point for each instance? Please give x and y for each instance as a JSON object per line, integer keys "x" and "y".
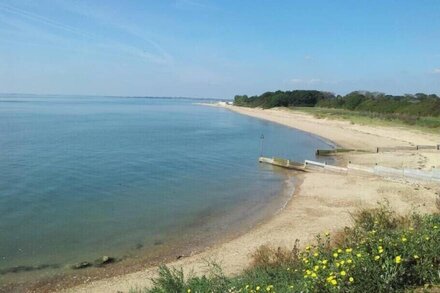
{"x": 413, "y": 105}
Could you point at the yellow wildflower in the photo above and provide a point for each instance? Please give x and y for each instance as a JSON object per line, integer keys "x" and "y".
{"x": 307, "y": 247}
{"x": 339, "y": 250}
{"x": 343, "y": 273}
{"x": 348, "y": 250}
{"x": 398, "y": 259}
{"x": 324, "y": 262}
{"x": 351, "y": 279}
{"x": 404, "y": 239}
{"x": 315, "y": 254}
{"x": 258, "y": 288}
{"x": 315, "y": 268}
{"x": 359, "y": 255}
{"x": 308, "y": 272}
{"x": 314, "y": 275}
{"x": 416, "y": 256}
{"x": 349, "y": 261}
{"x": 335, "y": 254}
{"x": 334, "y": 282}
{"x": 189, "y": 290}
{"x": 376, "y": 257}
{"x": 342, "y": 262}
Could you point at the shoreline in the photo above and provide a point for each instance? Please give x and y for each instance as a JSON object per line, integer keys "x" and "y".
{"x": 199, "y": 262}
{"x": 63, "y": 281}
{"x": 322, "y": 200}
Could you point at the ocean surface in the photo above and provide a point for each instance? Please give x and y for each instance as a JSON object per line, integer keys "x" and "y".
{"x": 82, "y": 177}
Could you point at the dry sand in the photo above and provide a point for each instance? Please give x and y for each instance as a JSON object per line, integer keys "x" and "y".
{"x": 322, "y": 201}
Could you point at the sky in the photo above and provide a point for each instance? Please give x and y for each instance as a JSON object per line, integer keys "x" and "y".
{"x": 217, "y": 49}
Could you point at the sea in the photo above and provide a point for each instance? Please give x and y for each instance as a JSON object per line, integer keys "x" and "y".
{"x": 84, "y": 176}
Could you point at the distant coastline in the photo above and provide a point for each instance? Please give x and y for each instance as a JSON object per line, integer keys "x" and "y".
{"x": 2, "y": 95}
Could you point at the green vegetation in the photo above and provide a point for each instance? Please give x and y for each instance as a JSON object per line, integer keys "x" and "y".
{"x": 283, "y": 99}
{"x": 419, "y": 109}
{"x": 382, "y": 252}
{"x": 368, "y": 118}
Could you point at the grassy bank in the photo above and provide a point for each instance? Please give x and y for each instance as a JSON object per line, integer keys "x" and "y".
{"x": 382, "y": 252}
{"x": 419, "y": 109}
{"x": 369, "y": 118}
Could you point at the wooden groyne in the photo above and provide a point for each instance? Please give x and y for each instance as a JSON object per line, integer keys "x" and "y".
{"x": 288, "y": 164}
{"x": 408, "y": 148}
{"x": 335, "y": 151}
{"x": 332, "y": 152}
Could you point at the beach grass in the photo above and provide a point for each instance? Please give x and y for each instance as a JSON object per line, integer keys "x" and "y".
{"x": 381, "y": 252}
{"x": 370, "y": 118}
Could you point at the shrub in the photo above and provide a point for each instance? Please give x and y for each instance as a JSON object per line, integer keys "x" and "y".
{"x": 382, "y": 252}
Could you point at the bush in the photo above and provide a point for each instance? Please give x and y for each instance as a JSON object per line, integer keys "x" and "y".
{"x": 297, "y": 98}
{"x": 382, "y": 252}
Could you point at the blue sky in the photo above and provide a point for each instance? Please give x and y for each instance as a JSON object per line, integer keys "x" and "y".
{"x": 205, "y": 48}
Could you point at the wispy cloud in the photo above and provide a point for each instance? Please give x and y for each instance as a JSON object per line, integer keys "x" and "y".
{"x": 300, "y": 81}
{"x": 36, "y": 18}
{"x": 152, "y": 49}
{"x": 192, "y": 4}
{"x": 436, "y": 71}
{"x": 60, "y": 33}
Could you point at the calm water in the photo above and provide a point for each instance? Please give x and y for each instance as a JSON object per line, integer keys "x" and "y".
{"x": 82, "y": 177}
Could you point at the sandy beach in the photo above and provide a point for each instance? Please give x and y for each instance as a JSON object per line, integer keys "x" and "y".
{"x": 322, "y": 201}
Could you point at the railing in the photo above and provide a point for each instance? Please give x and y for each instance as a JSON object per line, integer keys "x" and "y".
{"x": 427, "y": 175}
